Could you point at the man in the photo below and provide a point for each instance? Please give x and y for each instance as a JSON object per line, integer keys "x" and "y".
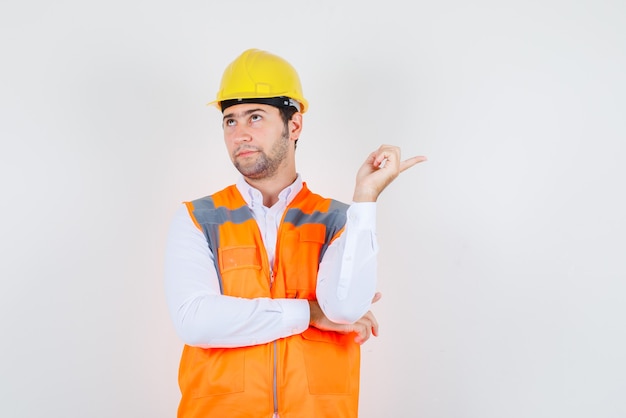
{"x": 268, "y": 284}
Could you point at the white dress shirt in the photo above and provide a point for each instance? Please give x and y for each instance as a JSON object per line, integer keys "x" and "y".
{"x": 204, "y": 317}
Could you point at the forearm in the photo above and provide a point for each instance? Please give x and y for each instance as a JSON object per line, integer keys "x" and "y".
{"x": 224, "y": 321}
{"x": 347, "y": 274}
{"x": 202, "y": 316}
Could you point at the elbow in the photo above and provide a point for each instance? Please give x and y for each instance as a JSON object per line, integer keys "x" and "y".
{"x": 190, "y": 328}
{"x": 195, "y": 341}
{"x": 190, "y": 334}
{"x": 343, "y": 314}
{"x": 347, "y": 308}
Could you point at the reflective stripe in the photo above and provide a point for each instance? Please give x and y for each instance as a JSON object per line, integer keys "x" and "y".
{"x": 334, "y": 219}
{"x": 209, "y": 214}
{"x": 211, "y": 218}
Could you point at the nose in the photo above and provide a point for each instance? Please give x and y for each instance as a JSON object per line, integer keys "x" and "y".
{"x": 239, "y": 134}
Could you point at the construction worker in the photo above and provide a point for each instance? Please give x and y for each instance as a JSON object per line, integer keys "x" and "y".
{"x": 268, "y": 284}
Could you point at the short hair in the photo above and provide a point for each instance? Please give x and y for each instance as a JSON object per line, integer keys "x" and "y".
{"x": 286, "y": 113}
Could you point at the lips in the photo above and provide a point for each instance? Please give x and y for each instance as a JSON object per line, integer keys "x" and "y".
{"x": 246, "y": 152}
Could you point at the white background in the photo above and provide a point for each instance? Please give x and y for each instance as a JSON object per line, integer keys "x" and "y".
{"x": 502, "y": 261}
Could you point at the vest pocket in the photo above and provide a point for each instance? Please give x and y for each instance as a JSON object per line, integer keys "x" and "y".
{"x": 240, "y": 268}
{"x": 240, "y": 257}
{"x": 327, "y": 360}
{"x": 218, "y": 371}
{"x": 302, "y": 247}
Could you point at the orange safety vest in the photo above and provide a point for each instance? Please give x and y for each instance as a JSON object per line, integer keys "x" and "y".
{"x": 313, "y": 374}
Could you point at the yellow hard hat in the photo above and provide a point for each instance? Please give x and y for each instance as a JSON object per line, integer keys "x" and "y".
{"x": 260, "y": 77}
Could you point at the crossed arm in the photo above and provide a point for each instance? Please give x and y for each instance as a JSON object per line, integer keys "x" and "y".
{"x": 203, "y": 317}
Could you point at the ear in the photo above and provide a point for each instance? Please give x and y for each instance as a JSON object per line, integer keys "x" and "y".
{"x": 295, "y": 126}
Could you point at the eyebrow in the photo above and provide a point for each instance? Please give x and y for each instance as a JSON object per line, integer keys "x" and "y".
{"x": 241, "y": 114}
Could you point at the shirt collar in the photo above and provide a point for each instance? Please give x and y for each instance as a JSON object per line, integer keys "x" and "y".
{"x": 253, "y": 197}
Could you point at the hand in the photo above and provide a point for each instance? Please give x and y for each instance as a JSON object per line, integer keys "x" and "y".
{"x": 364, "y": 327}
{"x": 379, "y": 169}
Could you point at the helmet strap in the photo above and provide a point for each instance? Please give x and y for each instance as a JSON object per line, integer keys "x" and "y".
{"x": 281, "y": 101}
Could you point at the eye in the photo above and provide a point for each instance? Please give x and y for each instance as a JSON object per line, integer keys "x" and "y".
{"x": 229, "y": 122}
{"x": 255, "y": 118}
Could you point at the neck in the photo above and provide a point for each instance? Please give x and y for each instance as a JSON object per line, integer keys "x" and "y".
{"x": 271, "y": 187}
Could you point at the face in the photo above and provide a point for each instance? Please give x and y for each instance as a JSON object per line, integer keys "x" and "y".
{"x": 257, "y": 139}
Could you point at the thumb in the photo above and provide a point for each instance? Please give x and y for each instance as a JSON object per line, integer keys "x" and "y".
{"x": 410, "y": 162}
{"x": 377, "y": 297}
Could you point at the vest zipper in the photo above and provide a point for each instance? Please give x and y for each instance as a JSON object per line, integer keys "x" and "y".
{"x": 272, "y": 277}
{"x": 274, "y": 384}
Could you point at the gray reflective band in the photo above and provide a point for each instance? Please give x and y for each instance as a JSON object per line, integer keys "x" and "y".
{"x": 334, "y": 219}
{"x": 221, "y": 215}
{"x": 211, "y": 218}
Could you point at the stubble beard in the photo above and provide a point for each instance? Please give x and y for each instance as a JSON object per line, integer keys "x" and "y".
{"x": 266, "y": 164}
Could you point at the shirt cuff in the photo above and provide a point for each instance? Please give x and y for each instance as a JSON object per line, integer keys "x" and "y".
{"x": 362, "y": 215}
{"x": 296, "y": 315}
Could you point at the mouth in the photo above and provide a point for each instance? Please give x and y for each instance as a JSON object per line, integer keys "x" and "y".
{"x": 245, "y": 152}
